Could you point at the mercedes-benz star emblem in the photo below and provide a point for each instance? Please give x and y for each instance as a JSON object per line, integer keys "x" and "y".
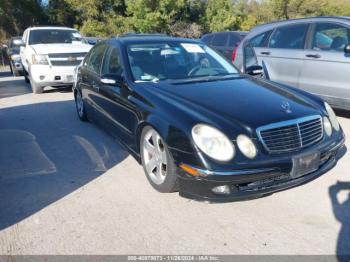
{"x": 286, "y": 107}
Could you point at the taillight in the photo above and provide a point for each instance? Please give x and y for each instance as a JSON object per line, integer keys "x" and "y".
{"x": 234, "y": 53}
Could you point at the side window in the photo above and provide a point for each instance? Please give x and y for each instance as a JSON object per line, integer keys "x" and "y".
{"x": 260, "y": 40}
{"x": 330, "y": 37}
{"x": 234, "y": 40}
{"x": 112, "y": 63}
{"x": 207, "y": 39}
{"x": 95, "y": 59}
{"x": 220, "y": 40}
{"x": 289, "y": 37}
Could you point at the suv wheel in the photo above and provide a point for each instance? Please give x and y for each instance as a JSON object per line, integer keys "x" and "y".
{"x": 35, "y": 87}
{"x": 26, "y": 79}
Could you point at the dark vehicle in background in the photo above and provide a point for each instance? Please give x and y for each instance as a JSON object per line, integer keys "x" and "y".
{"x": 312, "y": 54}
{"x": 92, "y": 40}
{"x": 13, "y": 56}
{"x": 200, "y": 127}
{"x": 224, "y": 42}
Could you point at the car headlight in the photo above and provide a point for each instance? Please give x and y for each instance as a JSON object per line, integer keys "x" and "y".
{"x": 213, "y": 143}
{"x": 327, "y": 126}
{"x": 15, "y": 58}
{"x": 332, "y": 117}
{"x": 39, "y": 60}
{"x": 246, "y": 146}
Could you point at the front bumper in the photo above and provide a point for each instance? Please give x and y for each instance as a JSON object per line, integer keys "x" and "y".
{"x": 253, "y": 183}
{"x": 47, "y": 75}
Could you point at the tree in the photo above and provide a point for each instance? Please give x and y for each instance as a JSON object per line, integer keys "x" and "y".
{"x": 16, "y": 15}
{"x": 219, "y": 16}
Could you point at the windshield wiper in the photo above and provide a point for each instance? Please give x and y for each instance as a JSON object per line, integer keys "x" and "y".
{"x": 209, "y": 78}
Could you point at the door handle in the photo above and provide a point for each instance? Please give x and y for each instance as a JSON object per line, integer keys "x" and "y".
{"x": 265, "y": 53}
{"x": 313, "y": 56}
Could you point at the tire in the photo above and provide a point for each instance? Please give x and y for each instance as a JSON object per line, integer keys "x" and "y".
{"x": 35, "y": 87}
{"x": 157, "y": 161}
{"x": 26, "y": 79}
{"x": 80, "y": 106}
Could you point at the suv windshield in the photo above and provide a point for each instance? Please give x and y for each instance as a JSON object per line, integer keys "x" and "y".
{"x": 175, "y": 60}
{"x": 53, "y": 36}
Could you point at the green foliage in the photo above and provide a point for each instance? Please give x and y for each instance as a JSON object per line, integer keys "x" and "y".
{"x": 219, "y": 16}
{"x": 186, "y": 18}
{"x": 16, "y": 15}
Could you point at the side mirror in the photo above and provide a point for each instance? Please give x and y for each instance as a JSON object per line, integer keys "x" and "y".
{"x": 112, "y": 79}
{"x": 347, "y": 49}
{"x": 255, "y": 70}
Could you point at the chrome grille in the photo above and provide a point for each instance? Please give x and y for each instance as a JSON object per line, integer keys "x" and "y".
{"x": 66, "y": 59}
{"x": 291, "y": 135}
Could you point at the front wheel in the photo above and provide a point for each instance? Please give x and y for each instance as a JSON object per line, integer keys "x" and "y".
{"x": 157, "y": 161}
{"x": 35, "y": 87}
{"x": 26, "y": 78}
{"x": 80, "y": 106}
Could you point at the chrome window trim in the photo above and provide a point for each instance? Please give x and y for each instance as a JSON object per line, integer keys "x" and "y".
{"x": 292, "y": 122}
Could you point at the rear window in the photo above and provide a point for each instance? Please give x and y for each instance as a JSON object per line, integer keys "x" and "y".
{"x": 207, "y": 39}
{"x": 234, "y": 40}
{"x": 289, "y": 37}
{"x": 220, "y": 40}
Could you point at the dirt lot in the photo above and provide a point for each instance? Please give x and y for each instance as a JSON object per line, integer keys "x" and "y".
{"x": 66, "y": 187}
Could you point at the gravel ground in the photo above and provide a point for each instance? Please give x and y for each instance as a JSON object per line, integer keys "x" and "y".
{"x": 66, "y": 187}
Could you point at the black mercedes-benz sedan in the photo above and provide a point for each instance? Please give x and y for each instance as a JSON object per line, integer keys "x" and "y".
{"x": 200, "y": 127}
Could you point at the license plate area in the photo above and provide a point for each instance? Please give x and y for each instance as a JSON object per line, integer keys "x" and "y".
{"x": 305, "y": 164}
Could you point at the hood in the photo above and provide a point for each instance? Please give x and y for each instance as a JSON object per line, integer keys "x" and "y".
{"x": 61, "y": 48}
{"x": 250, "y": 102}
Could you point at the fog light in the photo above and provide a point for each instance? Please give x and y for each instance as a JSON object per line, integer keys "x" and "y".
{"x": 222, "y": 190}
{"x": 42, "y": 77}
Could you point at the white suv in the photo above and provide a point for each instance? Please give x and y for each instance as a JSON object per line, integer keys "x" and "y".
{"x": 50, "y": 54}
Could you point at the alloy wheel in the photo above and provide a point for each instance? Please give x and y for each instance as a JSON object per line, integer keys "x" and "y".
{"x": 155, "y": 157}
{"x": 80, "y": 105}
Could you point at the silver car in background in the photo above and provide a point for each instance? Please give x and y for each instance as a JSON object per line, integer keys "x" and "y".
{"x": 312, "y": 54}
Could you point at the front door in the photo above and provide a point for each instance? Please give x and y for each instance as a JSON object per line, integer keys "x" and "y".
{"x": 115, "y": 98}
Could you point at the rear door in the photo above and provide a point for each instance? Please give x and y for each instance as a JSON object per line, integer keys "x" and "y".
{"x": 326, "y": 66}
{"x": 283, "y": 55}
{"x": 91, "y": 77}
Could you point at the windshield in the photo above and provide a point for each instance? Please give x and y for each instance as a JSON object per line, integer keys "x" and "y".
{"x": 174, "y": 60}
{"x": 54, "y": 36}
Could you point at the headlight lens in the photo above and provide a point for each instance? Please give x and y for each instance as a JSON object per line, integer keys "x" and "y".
{"x": 246, "y": 146}
{"x": 332, "y": 117}
{"x": 15, "y": 58}
{"x": 327, "y": 126}
{"x": 39, "y": 60}
{"x": 213, "y": 142}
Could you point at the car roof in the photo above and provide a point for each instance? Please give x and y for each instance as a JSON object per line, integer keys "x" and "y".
{"x": 149, "y": 38}
{"x": 300, "y": 20}
{"x": 225, "y": 32}
{"x": 51, "y": 27}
